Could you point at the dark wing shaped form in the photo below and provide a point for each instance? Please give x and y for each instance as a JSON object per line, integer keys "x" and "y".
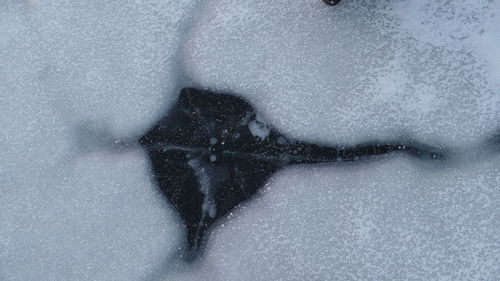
{"x": 202, "y": 190}
{"x": 201, "y": 155}
{"x": 210, "y": 153}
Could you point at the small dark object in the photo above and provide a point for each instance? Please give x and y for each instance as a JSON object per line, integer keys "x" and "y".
{"x": 331, "y": 2}
{"x": 210, "y": 153}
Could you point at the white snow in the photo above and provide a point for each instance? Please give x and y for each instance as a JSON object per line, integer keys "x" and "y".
{"x": 77, "y": 75}
{"x": 357, "y": 71}
{"x": 70, "y": 209}
{"x": 98, "y": 218}
{"x": 259, "y": 129}
{"x": 395, "y": 219}
{"x": 112, "y": 62}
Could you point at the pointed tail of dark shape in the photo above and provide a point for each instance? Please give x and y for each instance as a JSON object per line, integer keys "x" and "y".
{"x": 210, "y": 153}
{"x": 306, "y": 153}
{"x": 195, "y": 242}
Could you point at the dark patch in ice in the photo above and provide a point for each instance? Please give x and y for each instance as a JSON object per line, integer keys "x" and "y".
{"x": 494, "y": 139}
{"x": 210, "y": 153}
{"x": 331, "y": 2}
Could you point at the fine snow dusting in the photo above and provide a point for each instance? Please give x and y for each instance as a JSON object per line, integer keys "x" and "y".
{"x": 99, "y": 218}
{"x": 394, "y": 219}
{"x": 73, "y": 76}
{"x": 362, "y": 69}
{"x": 78, "y": 79}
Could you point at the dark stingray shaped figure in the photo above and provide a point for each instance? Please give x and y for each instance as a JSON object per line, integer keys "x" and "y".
{"x": 210, "y": 153}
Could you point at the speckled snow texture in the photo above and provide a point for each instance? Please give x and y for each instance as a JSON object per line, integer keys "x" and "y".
{"x": 390, "y": 220}
{"x": 98, "y": 218}
{"x": 362, "y": 69}
{"x": 112, "y": 61}
{"x": 70, "y": 208}
{"x": 76, "y": 74}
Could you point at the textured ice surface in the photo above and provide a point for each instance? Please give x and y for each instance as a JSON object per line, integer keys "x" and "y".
{"x": 207, "y": 159}
{"x": 358, "y": 70}
{"x": 70, "y": 209}
{"x": 389, "y": 220}
{"x": 66, "y": 214}
{"x": 98, "y": 218}
{"x": 111, "y": 62}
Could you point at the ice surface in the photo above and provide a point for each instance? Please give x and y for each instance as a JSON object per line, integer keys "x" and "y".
{"x": 112, "y": 62}
{"x": 359, "y": 70}
{"x": 389, "y": 220}
{"x": 99, "y": 218}
{"x": 72, "y": 209}
{"x": 363, "y": 70}
{"x": 73, "y": 76}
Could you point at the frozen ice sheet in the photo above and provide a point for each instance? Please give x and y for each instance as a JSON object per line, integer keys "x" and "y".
{"x": 390, "y": 220}
{"x": 108, "y": 62}
{"x": 70, "y": 209}
{"x": 98, "y": 218}
{"x": 359, "y": 70}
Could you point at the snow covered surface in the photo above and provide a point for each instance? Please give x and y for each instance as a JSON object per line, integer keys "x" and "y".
{"x": 395, "y": 219}
{"x": 72, "y": 209}
{"x": 98, "y": 218}
{"x": 110, "y": 62}
{"x": 363, "y": 69}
